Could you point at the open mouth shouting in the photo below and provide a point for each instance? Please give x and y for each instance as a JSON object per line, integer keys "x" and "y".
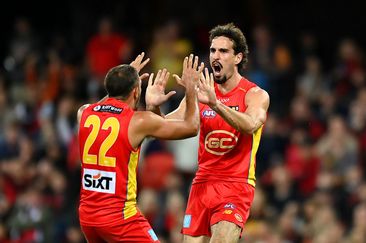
{"x": 217, "y": 67}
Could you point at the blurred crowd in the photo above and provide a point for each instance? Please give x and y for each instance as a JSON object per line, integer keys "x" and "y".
{"x": 311, "y": 162}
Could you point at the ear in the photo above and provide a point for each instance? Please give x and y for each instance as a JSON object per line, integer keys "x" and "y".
{"x": 238, "y": 58}
{"x": 136, "y": 92}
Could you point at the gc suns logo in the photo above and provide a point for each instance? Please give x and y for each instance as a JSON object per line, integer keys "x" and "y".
{"x": 220, "y": 142}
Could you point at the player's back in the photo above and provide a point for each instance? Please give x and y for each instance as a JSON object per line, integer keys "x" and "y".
{"x": 109, "y": 164}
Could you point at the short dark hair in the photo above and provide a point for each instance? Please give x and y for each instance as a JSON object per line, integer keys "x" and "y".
{"x": 236, "y": 35}
{"x": 120, "y": 80}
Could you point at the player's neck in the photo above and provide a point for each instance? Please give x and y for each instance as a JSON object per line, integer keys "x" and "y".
{"x": 130, "y": 101}
{"x": 230, "y": 84}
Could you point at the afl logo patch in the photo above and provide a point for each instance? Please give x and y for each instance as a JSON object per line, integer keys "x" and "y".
{"x": 209, "y": 113}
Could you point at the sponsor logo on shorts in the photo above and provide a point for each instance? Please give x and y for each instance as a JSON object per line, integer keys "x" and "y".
{"x": 152, "y": 235}
{"x": 227, "y": 211}
{"x": 220, "y": 142}
{"x": 99, "y": 181}
{"x": 187, "y": 221}
{"x": 108, "y": 108}
{"x": 238, "y": 217}
{"x": 230, "y": 205}
{"x": 209, "y": 113}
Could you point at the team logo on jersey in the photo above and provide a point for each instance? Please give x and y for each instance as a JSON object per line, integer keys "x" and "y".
{"x": 220, "y": 142}
{"x": 108, "y": 108}
{"x": 209, "y": 113}
{"x": 99, "y": 181}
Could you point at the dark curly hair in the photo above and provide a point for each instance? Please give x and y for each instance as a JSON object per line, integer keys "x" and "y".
{"x": 236, "y": 35}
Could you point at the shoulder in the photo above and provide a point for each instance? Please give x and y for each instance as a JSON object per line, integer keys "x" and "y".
{"x": 142, "y": 115}
{"x": 80, "y": 111}
{"x": 145, "y": 122}
{"x": 257, "y": 91}
{"x": 83, "y": 107}
{"x": 141, "y": 118}
{"x": 246, "y": 83}
{"x": 257, "y": 94}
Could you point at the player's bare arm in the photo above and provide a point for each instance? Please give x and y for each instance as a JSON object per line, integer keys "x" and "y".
{"x": 145, "y": 124}
{"x": 256, "y": 100}
{"x": 179, "y": 112}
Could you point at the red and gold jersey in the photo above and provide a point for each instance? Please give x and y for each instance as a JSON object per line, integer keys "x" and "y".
{"x": 109, "y": 164}
{"x": 225, "y": 154}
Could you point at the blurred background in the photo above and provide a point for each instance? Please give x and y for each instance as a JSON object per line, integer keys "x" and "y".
{"x": 309, "y": 56}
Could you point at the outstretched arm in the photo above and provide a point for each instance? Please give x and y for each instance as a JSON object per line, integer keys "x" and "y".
{"x": 144, "y": 123}
{"x": 179, "y": 112}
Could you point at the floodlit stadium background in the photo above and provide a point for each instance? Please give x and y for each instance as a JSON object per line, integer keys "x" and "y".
{"x": 309, "y": 56}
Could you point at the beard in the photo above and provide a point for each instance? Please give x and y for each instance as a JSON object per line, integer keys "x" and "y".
{"x": 220, "y": 80}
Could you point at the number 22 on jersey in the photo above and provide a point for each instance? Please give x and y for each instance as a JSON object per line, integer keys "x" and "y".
{"x": 100, "y": 159}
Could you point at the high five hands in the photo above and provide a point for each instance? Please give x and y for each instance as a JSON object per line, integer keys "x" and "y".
{"x": 192, "y": 75}
{"x": 191, "y": 71}
{"x": 206, "y": 89}
{"x": 138, "y": 64}
{"x": 155, "y": 91}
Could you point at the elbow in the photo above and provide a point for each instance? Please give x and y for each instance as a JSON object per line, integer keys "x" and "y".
{"x": 196, "y": 126}
{"x": 196, "y": 129}
{"x": 250, "y": 129}
{"x": 193, "y": 129}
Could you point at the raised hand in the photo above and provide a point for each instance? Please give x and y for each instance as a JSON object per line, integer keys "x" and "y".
{"x": 206, "y": 89}
{"x": 155, "y": 91}
{"x": 139, "y": 64}
{"x": 191, "y": 71}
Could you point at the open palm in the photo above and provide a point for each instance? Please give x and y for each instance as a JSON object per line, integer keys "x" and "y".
{"x": 206, "y": 89}
{"x": 139, "y": 63}
{"x": 191, "y": 71}
{"x": 155, "y": 91}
